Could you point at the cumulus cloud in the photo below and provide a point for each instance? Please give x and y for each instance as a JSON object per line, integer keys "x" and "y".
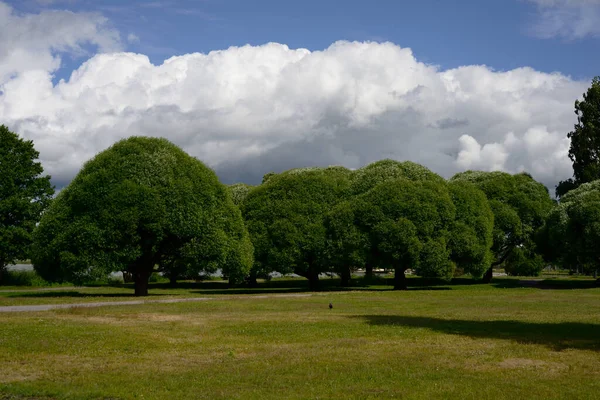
{"x": 570, "y": 19}
{"x": 542, "y": 153}
{"x": 33, "y": 42}
{"x": 249, "y": 110}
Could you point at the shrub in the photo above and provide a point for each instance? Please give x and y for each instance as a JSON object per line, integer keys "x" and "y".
{"x": 523, "y": 263}
{"x": 22, "y": 278}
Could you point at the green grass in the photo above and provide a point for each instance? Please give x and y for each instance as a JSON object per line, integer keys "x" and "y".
{"x": 466, "y": 341}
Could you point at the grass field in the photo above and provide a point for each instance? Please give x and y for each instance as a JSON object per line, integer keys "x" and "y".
{"x": 460, "y": 341}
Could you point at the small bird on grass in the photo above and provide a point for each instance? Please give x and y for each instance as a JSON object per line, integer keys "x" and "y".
{"x": 330, "y": 306}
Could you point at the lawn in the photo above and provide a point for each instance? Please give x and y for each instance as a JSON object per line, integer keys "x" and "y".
{"x": 444, "y": 341}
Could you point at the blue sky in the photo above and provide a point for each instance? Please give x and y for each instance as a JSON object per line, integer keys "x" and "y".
{"x": 497, "y": 33}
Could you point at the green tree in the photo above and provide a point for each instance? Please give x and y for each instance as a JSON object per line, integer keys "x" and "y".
{"x": 24, "y": 195}
{"x": 522, "y": 263}
{"x": 347, "y": 246}
{"x": 141, "y": 203}
{"x": 285, "y": 218}
{"x": 369, "y": 176}
{"x": 520, "y": 206}
{"x": 585, "y": 141}
{"x": 408, "y": 225}
{"x": 571, "y": 234}
{"x": 471, "y": 234}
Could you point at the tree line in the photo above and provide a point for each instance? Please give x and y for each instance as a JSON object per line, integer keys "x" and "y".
{"x": 144, "y": 205}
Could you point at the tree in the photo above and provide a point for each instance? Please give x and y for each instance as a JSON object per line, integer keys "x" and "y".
{"x": 408, "y": 225}
{"x": 571, "y": 234}
{"x": 585, "y": 141}
{"x": 24, "y": 195}
{"x": 347, "y": 246}
{"x": 141, "y": 203}
{"x": 520, "y": 206}
{"x": 369, "y": 176}
{"x": 285, "y": 216}
{"x": 523, "y": 262}
{"x": 471, "y": 234}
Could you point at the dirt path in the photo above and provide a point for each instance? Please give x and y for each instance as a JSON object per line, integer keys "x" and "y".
{"x": 47, "y": 307}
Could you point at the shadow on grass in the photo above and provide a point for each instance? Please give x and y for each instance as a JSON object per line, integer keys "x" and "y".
{"x": 298, "y": 285}
{"x": 557, "y": 336}
{"x": 73, "y": 294}
{"x": 552, "y": 284}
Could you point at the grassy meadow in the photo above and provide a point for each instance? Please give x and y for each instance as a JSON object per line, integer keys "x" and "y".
{"x": 509, "y": 339}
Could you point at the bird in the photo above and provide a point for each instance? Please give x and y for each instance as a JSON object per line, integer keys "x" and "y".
{"x": 330, "y": 306}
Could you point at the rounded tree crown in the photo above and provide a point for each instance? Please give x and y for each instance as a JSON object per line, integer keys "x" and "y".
{"x": 587, "y": 191}
{"x": 371, "y": 175}
{"x": 132, "y": 204}
{"x": 285, "y": 216}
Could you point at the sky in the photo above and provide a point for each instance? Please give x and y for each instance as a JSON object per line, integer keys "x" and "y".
{"x": 251, "y": 87}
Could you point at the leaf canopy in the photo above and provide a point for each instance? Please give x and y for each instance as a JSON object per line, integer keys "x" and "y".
{"x": 24, "y": 195}
{"x": 140, "y": 203}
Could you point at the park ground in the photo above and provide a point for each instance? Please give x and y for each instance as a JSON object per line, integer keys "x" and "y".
{"x": 510, "y": 339}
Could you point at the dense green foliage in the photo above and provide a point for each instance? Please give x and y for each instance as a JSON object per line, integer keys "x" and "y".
{"x": 471, "y": 233}
{"x": 585, "y": 141}
{"x": 285, "y": 218}
{"x": 24, "y": 195}
{"x": 520, "y": 206}
{"x": 408, "y": 225}
{"x": 238, "y": 192}
{"x": 144, "y": 206}
{"x": 572, "y": 231}
{"x": 347, "y": 245}
{"x": 463, "y": 239}
{"x": 141, "y": 203}
{"x": 523, "y": 261}
{"x": 389, "y": 215}
{"x": 371, "y": 175}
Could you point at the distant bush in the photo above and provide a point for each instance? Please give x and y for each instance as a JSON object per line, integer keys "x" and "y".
{"x": 522, "y": 263}
{"x": 157, "y": 278}
{"x": 115, "y": 280}
{"x": 22, "y": 278}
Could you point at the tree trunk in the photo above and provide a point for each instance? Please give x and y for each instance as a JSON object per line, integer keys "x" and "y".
{"x": 489, "y": 274}
{"x": 399, "y": 279}
{"x": 173, "y": 280}
{"x": 127, "y": 277}
{"x": 313, "y": 279}
{"x": 368, "y": 271}
{"x": 252, "y": 279}
{"x": 141, "y": 282}
{"x": 345, "y": 277}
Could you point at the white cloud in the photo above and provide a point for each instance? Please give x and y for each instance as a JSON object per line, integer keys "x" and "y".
{"x": 570, "y": 19}
{"x": 489, "y": 157}
{"x": 249, "y": 110}
{"x": 33, "y": 41}
{"x": 542, "y": 153}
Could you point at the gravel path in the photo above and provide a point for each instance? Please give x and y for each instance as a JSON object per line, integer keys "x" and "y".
{"x": 47, "y": 307}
